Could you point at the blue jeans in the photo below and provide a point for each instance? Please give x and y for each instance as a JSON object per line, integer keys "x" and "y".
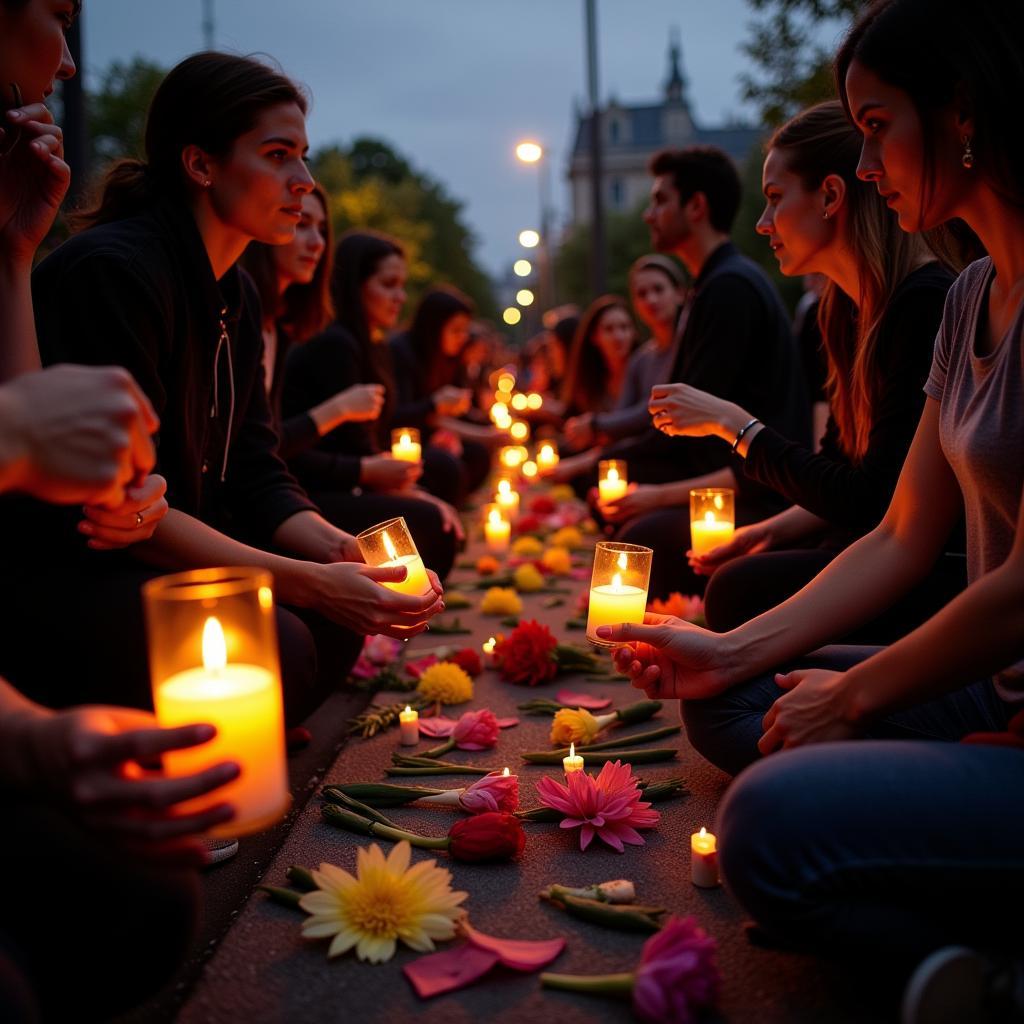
{"x": 725, "y": 729}
{"x": 889, "y": 848}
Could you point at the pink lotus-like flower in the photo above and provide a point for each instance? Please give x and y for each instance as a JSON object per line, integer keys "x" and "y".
{"x": 476, "y": 730}
{"x": 377, "y": 652}
{"x": 494, "y": 792}
{"x": 609, "y": 806}
{"x": 677, "y": 976}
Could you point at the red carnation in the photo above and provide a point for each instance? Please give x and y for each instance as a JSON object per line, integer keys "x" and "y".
{"x": 468, "y": 660}
{"x": 542, "y": 505}
{"x": 495, "y": 835}
{"x": 527, "y": 524}
{"x": 527, "y": 655}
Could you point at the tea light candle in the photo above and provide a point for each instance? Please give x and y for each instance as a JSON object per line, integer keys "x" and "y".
{"x": 704, "y": 859}
{"x": 529, "y": 469}
{"x": 612, "y": 482}
{"x": 488, "y": 651}
{"x": 547, "y": 457}
{"x": 497, "y": 530}
{"x": 512, "y": 456}
{"x": 618, "y": 587}
{"x": 572, "y": 762}
{"x": 389, "y": 545}
{"x": 405, "y": 445}
{"x": 507, "y": 499}
{"x": 409, "y": 727}
{"x": 712, "y": 518}
{"x": 519, "y": 431}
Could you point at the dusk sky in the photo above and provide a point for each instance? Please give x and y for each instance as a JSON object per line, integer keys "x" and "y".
{"x": 452, "y": 84}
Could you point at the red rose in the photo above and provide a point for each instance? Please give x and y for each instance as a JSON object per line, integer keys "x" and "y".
{"x": 542, "y": 505}
{"x": 527, "y": 655}
{"x": 527, "y": 524}
{"x": 468, "y": 660}
{"x": 492, "y": 836}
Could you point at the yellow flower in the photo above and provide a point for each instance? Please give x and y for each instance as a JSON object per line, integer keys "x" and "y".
{"x": 456, "y": 599}
{"x": 527, "y": 578}
{"x": 487, "y": 565}
{"x": 527, "y": 547}
{"x": 501, "y": 601}
{"x": 568, "y": 537}
{"x": 445, "y": 682}
{"x": 556, "y": 560}
{"x": 588, "y": 526}
{"x": 570, "y": 726}
{"x": 562, "y": 492}
{"x": 384, "y": 901}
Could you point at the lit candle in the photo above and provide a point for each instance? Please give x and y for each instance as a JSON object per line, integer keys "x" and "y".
{"x": 389, "y": 545}
{"x": 704, "y": 859}
{"x": 405, "y": 445}
{"x": 534, "y": 400}
{"x": 611, "y": 481}
{"x": 519, "y": 401}
{"x": 547, "y": 457}
{"x": 415, "y": 581}
{"x": 244, "y": 703}
{"x": 612, "y": 600}
{"x": 529, "y": 469}
{"x": 507, "y": 499}
{"x": 409, "y": 727}
{"x": 497, "y": 530}
{"x": 505, "y": 773}
{"x": 712, "y": 518}
{"x": 572, "y": 762}
{"x": 512, "y": 456}
{"x": 519, "y": 431}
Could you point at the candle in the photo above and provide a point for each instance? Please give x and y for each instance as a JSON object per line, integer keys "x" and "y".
{"x": 497, "y": 530}
{"x": 512, "y": 456}
{"x": 572, "y": 762}
{"x": 389, "y": 545}
{"x": 534, "y": 400}
{"x": 519, "y": 431}
{"x": 547, "y": 457}
{"x": 712, "y": 518}
{"x": 618, "y": 587}
{"x": 213, "y": 659}
{"x": 507, "y": 499}
{"x": 409, "y": 727}
{"x": 519, "y": 401}
{"x": 488, "y": 651}
{"x": 611, "y": 480}
{"x": 405, "y": 445}
{"x": 704, "y": 859}
{"x": 529, "y": 469}
{"x": 505, "y": 773}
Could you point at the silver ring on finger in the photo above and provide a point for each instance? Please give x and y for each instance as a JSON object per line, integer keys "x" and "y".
{"x": 138, "y": 520}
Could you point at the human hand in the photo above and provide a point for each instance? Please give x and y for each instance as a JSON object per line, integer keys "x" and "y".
{"x": 572, "y": 466}
{"x": 746, "y": 540}
{"x": 352, "y": 594}
{"x": 361, "y": 402}
{"x": 669, "y": 657}
{"x": 343, "y": 547}
{"x": 678, "y": 409}
{"x": 131, "y": 522}
{"x": 33, "y": 179}
{"x": 450, "y": 401}
{"x": 448, "y": 441}
{"x": 816, "y": 710}
{"x": 383, "y": 473}
{"x": 579, "y": 430}
{"x": 638, "y": 499}
{"x": 77, "y": 434}
{"x": 93, "y": 759}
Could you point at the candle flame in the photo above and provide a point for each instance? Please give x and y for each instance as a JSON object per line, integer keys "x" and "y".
{"x": 617, "y": 581}
{"x": 623, "y": 563}
{"x": 408, "y": 710}
{"x": 613, "y": 475}
{"x": 405, "y": 440}
{"x": 529, "y": 468}
{"x": 488, "y": 645}
{"x": 572, "y": 749}
{"x": 504, "y": 488}
{"x": 546, "y": 451}
{"x": 505, "y": 773}
{"x": 709, "y": 517}
{"x": 389, "y": 547}
{"x": 703, "y": 832}
{"x": 719, "y": 502}
{"x": 494, "y": 516}
{"x": 215, "y": 652}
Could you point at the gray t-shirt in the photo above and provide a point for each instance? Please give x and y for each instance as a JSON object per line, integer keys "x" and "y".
{"x": 981, "y": 430}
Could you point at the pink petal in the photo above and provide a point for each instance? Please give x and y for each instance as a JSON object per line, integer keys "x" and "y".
{"x": 507, "y": 723}
{"x": 580, "y": 574}
{"x": 449, "y": 970}
{"x": 518, "y": 954}
{"x": 436, "y": 728}
{"x": 417, "y": 667}
{"x": 582, "y": 700}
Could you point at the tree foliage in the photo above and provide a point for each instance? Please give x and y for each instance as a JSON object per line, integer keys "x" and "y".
{"x": 117, "y": 110}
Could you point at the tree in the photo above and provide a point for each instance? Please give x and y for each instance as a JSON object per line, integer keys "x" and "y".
{"x": 117, "y": 110}
{"x": 793, "y": 66}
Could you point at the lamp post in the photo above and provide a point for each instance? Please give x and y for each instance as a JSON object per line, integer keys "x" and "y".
{"x": 531, "y": 152}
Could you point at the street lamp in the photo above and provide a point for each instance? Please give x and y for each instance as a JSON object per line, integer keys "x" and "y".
{"x": 529, "y": 151}
{"x": 522, "y": 268}
{"x": 529, "y": 239}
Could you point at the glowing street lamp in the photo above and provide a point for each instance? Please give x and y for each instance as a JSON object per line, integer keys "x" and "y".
{"x": 529, "y": 239}
{"x": 511, "y": 316}
{"x": 524, "y": 297}
{"x": 529, "y": 152}
{"x": 522, "y": 268}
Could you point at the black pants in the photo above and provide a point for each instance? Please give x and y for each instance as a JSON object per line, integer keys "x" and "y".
{"x": 86, "y": 931}
{"x": 358, "y": 512}
{"x": 76, "y": 636}
{"x": 746, "y": 587}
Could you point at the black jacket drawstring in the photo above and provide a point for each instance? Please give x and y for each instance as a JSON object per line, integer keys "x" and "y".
{"x": 224, "y": 341}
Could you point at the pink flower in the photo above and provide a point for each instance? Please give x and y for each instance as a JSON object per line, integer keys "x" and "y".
{"x": 476, "y": 730}
{"x": 608, "y": 806}
{"x": 420, "y": 665}
{"x": 677, "y": 976}
{"x": 494, "y": 792}
{"x": 377, "y": 652}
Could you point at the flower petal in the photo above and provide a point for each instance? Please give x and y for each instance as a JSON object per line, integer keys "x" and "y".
{"x": 449, "y": 970}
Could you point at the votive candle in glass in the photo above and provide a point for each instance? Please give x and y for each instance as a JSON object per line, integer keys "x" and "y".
{"x": 547, "y": 457}
{"x": 618, "y": 586}
{"x": 611, "y": 480}
{"x": 497, "y": 529}
{"x": 712, "y": 518}
{"x": 506, "y": 497}
{"x": 213, "y": 659}
{"x": 405, "y": 445}
{"x": 390, "y": 544}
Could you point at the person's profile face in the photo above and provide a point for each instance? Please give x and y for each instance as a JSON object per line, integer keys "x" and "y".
{"x": 383, "y": 293}
{"x": 665, "y": 215}
{"x": 34, "y": 52}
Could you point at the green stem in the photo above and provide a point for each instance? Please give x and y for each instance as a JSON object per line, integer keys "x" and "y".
{"x": 355, "y": 823}
{"x": 642, "y": 755}
{"x": 591, "y": 984}
{"x": 286, "y": 897}
{"x": 301, "y": 878}
{"x": 440, "y": 749}
{"x": 442, "y": 769}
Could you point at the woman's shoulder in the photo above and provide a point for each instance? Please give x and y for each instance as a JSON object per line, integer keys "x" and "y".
{"x": 334, "y": 344}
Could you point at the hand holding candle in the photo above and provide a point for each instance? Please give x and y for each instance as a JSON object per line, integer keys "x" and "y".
{"x": 712, "y": 518}
{"x": 618, "y": 587}
{"x": 405, "y": 445}
{"x": 390, "y": 545}
{"x": 704, "y": 859}
{"x": 612, "y": 482}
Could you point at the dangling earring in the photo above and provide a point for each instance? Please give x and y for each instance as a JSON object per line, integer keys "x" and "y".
{"x": 825, "y": 215}
{"x": 968, "y": 158}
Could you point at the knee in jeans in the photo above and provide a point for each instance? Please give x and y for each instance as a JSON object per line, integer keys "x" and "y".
{"x": 707, "y": 724}
{"x": 723, "y": 597}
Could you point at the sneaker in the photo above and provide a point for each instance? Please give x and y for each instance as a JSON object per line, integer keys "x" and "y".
{"x": 219, "y": 850}
{"x": 957, "y": 985}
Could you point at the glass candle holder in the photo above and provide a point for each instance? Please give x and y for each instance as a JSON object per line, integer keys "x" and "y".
{"x": 405, "y": 445}
{"x": 618, "y": 587}
{"x": 213, "y": 659}
{"x": 497, "y": 529}
{"x": 712, "y": 518}
{"x": 612, "y": 480}
{"x": 390, "y": 544}
{"x": 506, "y": 497}
{"x": 512, "y": 456}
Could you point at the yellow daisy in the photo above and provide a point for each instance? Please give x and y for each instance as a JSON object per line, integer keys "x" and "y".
{"x": 385, "y": 901}
{"x": 501, "y": 601}
{"x": 527, "y": 578}
{"x": 446, "y": 682}
{"x": 574, "y": 726}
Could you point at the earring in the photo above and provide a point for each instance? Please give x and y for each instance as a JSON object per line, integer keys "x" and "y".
{"x": 825, "y": 215}
{"x": 968, "y": 158}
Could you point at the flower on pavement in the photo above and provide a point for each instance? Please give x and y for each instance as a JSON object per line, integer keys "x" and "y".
{"x": 574, "y": 725}
{"x": 527, "y": 578}
{"x": 384, "y": 902}
{"x": 677, "y": 976}
{"x": 501, "y": 601}
{"x": 568, "y": 537}
{"x": 476, "y": 730}
{"x": 527, "y": 655}
{"x": 494, "y": 792}
{"x": 487, "y": 565}
{"x": 557, "y": 561}
{"x": 468, "y": 660}
{"x": 445, "y": 682}
{"x": 527, "y": 546}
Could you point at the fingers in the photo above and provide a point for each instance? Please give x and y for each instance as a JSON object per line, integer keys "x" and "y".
{"x": 165, "y": 827}
{"x": 625, "y": 632}
{"x": 788, "y": 680}
{"x": 137, "y": 744}
{"x": 771, "y": 741}
{"x": 435, "y": 582}
{"x": 24, "y": 115}
{"x": 152, "y": 794}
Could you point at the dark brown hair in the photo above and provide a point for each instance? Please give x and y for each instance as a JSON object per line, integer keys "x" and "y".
{"x": 208, "y": 100}
{"x": 358, "y": 255}
{"x": 586, "y": 376}
{"x": 435, "y": 309}
{"x": 704, "y": 169}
